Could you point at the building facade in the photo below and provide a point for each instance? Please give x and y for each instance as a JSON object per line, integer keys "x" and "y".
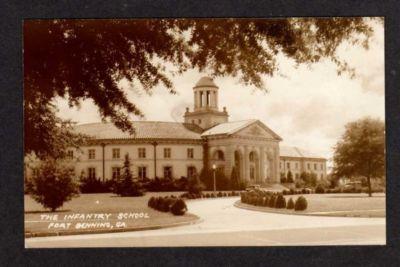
{"x": 298, "y": 160}
{"x": 206, "y": 138}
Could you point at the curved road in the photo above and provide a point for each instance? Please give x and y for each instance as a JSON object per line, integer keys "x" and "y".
{"x": 225, "y": 225}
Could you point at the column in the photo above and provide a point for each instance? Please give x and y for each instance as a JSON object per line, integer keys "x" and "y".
{"x": 196, "y": 103}
{"x": 276, "y": 166}
{"x": 246, "y": 163}
{"x": 263, "y": 162}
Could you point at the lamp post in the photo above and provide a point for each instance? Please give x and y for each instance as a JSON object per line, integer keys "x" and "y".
{"x": 215, "y": 185}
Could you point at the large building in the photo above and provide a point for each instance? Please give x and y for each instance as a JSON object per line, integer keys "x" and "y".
{"x": 205, "y": 138}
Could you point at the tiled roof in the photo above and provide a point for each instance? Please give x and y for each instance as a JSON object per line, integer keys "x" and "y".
{"x": 228, "y": 127}
{"x": 205, "y": 82}
{"x": 295, "y": 152}
{"x": 143, "y": 130}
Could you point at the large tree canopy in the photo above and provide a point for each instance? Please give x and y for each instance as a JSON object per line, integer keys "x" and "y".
{"x": 82, "y": 59}
{"x": 361, "y": 151}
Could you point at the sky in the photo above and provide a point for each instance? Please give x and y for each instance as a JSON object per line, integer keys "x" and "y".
{"x": 308, "y": 106}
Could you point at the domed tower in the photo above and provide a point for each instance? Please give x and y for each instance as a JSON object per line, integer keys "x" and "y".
{"x": 206, "y": 113}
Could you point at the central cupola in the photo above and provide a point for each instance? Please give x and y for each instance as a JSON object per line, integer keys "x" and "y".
{"x": 205, "y": 113}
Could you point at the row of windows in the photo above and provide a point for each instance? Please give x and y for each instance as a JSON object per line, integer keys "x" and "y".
{"x": 142, "y": 172}
{"x": 297, "y": 175}
{"x": 141, "y": 153}
{"x": 296, "y": 167}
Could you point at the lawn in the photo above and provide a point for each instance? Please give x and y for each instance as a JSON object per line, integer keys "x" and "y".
{"x": 108, "y": 213}
{"x": 348, "y": 205}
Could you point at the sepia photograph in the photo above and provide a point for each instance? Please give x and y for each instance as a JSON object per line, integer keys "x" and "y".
{"x": 228, "y": 132}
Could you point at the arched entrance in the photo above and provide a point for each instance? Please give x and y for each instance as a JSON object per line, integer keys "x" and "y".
{"x": 254, "y": 167}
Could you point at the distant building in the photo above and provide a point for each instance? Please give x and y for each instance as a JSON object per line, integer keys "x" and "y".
{"x": 298, "y": 160}
{"x": 204, "y": 139}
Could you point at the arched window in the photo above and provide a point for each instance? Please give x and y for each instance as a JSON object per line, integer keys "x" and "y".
{"x": 251, "y": 156}
{"x": 219, "y": 155}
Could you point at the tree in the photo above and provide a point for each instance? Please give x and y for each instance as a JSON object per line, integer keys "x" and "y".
{"x": 290, "y": 177}
{"x": 194, "y": 185}
{"x": 52, "y": 184}
{"x": 361, "y": 150}
{"x": 124, "y": 185}
{"x": 283, "y": 178}
{"x": 88, "y": 59}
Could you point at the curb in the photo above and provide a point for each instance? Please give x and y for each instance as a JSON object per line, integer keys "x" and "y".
{"x": 238, "y": 204}
{"x": 117, "y": 230}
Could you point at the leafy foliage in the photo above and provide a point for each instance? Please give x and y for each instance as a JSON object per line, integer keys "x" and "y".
{"x": 88, "y": 59}
{"x": 361, "y": 150}
{"x": 289, "y": 177}
{"x": 52, "y": 184}
{"x": 235, "y": 179}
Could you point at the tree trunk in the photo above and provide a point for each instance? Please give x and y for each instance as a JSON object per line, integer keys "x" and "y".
{"x": 369, "y": 186}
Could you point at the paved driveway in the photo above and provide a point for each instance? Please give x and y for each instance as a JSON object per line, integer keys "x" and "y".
{"x": 225, "y": 225}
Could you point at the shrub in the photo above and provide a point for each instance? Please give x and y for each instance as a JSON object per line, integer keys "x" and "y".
{"x": 280, "y": 202}
{"x": 271, "y": 202}
{"x": 260, "y": 201}
{"x": 219, "y": 194}
{"x": 179, "y": 207}
{"x": 266, "y": 201}
{"x": 319, "y": 189}
{"x": 290, "y": 204}
{"x": 152, "y": 202}
{"x": 301, "y": 203}
{"x": 52, "y": 185}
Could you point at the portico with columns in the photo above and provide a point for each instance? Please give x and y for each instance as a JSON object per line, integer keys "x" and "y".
{"x": 249, "y": 146}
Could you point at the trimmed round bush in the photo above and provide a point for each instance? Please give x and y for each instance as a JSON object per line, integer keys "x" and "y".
{"x": 179, "y": 207}
{"x": 152, "y": 202}
{"x": 280, "y": 202}
{"x": 271, "y": 202}
{"x": 290, "y": 204}
{"x": 301, "y": 203}
{"x": 266, "y": 201}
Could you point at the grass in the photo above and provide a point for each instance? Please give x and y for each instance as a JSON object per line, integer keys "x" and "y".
{"x": 100, "y": 204}
{"x": 342, "y": 205}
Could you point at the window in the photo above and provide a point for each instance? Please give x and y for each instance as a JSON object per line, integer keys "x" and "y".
{"x": 142, "y": 152}
{"x": 142, "y": 172}
{"x": 168, "y": 172}
{"x": 70, "y": 154}
{"x": 116, "y": 172}
{"x": 199, "y": 121}
{"x": 315, "y": 166}
{"x": 92, "y": 154}
{"x": 308, "y": 166}
{"x": 219, "y": 155}
{"x": 167, "y": 153}
{"x": 322, "y": 166}
{"x": 191, "y": 171}
{"x": 92, "y": 173}
{"x": 297, "y": 165}
{"x": 190, "y": 153}
{"x": 280, "y": 165}
{"x": 115, "y": 153}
